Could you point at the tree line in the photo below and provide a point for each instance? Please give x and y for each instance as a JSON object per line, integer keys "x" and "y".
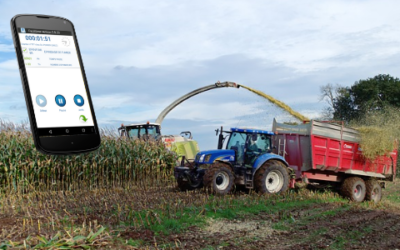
{"x": 364, "y": 96}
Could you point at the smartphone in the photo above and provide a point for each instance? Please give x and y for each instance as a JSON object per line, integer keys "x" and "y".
{"x": 56, "y": 91}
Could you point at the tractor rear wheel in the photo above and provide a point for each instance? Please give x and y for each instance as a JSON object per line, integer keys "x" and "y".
{"x": 272, "y": 178}
{"x": 354, "y": 189}
{"x": 373, "y": 191}
{"x": 219, "y": 178}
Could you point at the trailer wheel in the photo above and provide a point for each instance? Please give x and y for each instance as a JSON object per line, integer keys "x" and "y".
{"x": 374, "y": 191}
{"x": 354, "y": 189}
{"x": 272, "y": 178}
{"x": 219, "y": 178}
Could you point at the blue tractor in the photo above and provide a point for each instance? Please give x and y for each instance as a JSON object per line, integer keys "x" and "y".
{"x": 247, "y": 161}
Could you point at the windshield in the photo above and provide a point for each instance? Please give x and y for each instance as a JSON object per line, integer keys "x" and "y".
{"x": 133, "y": 133}
{"x": 142, "y": 131}
{"x": 152, "y": 130}
{"x": 237, "y": 142}
{"x": 139, "y": 132}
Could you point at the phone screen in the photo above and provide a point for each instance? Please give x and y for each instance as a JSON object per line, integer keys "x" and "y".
{"x": 56, "y": 82}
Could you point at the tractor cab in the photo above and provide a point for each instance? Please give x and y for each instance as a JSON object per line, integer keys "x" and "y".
{"x": 248, "y": 144}
{"x": 143, "y": 131}
{"x": 244, "y": 146}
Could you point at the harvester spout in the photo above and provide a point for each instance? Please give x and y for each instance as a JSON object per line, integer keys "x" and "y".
{"x": 227, "y": 84}
{"x": 217, "y": 85}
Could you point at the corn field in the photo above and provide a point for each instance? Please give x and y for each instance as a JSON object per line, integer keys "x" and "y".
{"x": 117, "y": 163}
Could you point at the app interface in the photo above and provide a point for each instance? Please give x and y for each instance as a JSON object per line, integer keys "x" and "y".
{"x": 56, "y": 82}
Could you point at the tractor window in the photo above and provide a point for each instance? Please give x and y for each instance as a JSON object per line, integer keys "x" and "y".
{"x": 256, "y": 144}
{"x": 263, "y": 143}
{"x": 152, "y": 131}
{"x": 142, "y": 132}
{"x": 133, "y": 133}
{"x": 236, "y": 142}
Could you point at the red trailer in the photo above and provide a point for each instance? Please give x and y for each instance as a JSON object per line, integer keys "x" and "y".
{"x": 328, "y": 152}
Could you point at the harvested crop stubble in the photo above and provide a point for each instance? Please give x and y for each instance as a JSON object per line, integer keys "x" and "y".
{"x": 117, "y": 163}
{"x": 378, "y": 131}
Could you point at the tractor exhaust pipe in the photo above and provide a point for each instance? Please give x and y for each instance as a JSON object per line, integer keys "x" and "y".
{"x": 220, "y": 139}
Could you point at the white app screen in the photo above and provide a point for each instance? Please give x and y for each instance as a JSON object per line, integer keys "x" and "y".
{"x": 55, "y": 80}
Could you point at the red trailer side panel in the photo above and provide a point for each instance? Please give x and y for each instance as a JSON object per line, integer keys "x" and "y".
{"x": 341, "y": 156}
{"x": 324, "y": 146}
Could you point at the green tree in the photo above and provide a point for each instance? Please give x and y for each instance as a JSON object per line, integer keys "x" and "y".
{"x": 372, "y": 94}
{"x": 376, "y": 93}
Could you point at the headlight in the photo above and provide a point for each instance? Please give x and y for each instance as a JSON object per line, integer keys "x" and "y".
{"x": 202, "y": 158}
{"x": 207, "y": 158}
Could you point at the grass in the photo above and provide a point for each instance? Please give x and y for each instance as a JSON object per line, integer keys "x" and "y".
{"x": 391, "y": 194}
{"x": 231, "y": 207}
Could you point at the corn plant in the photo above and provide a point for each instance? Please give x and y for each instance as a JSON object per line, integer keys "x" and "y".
{"x": 119, "y": 162}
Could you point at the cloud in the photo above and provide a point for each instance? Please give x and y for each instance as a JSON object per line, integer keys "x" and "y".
{"x": 17, "y": 107}
{"x": 139, "y": 58}
{"x": 10, "y": 82}
{"x": 6, "y": 48}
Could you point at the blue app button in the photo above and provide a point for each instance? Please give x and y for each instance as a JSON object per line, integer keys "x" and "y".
{"x": 78, "y": 99}
{"x": 41, "y": 101}
{"x": 60, "y": 100}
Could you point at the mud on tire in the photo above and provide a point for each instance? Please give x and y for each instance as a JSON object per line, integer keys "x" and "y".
{"x": 354, "y": 188}
{"x": 373, "y": 191}
{"x": 219, "y": 178}
{"x": 271, "y": 178}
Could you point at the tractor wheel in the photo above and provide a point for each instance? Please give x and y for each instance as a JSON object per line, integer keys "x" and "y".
{"x": 354, "y": 189}
{"x": 219, "y": 178}
{"x": 373, "y": 191}
{"x": 272, "y": 178}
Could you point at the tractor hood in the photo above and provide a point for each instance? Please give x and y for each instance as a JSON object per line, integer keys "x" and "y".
{"x": 209, "y": 156}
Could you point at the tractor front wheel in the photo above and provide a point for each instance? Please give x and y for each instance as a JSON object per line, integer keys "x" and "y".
{"x": 272, "y": 178}
{"x": 354, "y": 189}
{"x": 219, "y": 178}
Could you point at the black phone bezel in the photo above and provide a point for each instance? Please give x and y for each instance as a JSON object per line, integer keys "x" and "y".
{"x": 65, "y": 144}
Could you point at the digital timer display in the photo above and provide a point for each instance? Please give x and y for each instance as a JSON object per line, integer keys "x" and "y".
{"x": 38, "y": 38}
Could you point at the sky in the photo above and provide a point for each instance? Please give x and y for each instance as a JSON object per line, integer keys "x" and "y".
{"x": 140, "y": 56}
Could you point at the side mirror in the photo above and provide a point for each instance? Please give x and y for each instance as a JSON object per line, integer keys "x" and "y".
{"x": 217, "y": 131}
